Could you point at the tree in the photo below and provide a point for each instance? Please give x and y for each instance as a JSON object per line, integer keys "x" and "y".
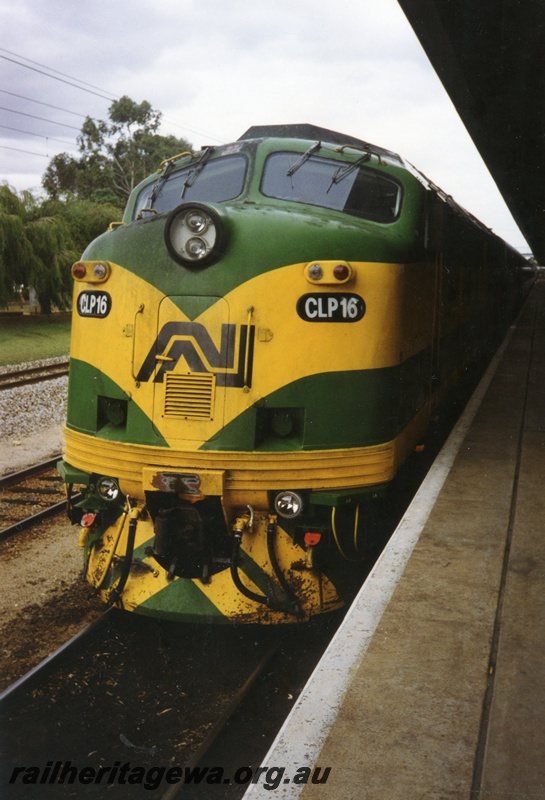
{"x": 60, "y": 177}
{"x": 39, "y": 242}
{"x": 86, "y": 219}
{"x": 16, "y": 257}
{"x": 115, "y": 155}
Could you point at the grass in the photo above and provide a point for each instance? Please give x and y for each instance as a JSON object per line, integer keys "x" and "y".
{"x": 24, "y": 338}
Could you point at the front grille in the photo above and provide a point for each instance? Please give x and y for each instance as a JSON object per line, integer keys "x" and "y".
{"x": 190, "y": 396}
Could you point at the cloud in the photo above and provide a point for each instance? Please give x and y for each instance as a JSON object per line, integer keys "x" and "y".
{"x": 215, "y": 68}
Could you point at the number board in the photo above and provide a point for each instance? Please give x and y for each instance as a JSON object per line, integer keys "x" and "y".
{"x": 331, "y": 307}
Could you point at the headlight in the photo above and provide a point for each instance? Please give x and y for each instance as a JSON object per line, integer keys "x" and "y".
{"x": 194, "y": 235}
{"x": 108, "y": 488}
{"x": 288, "y": 504}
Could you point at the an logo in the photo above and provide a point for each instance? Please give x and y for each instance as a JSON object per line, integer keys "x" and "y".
{"x": 331, "y": 307}
{"x": 94, "y": 304}
{"x": 192, "y": 342}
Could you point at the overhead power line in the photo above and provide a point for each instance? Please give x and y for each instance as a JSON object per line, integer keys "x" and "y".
{"x": 28, "y": 152}
{"x": 50, "y": 69}
{"x": 39, "y": 135}
{"x": 69, "y": 80}
{"x": 42, "y": 119}
{"x": 62, "y": 80}
{"x": 175, "y": 123}
{"x": 41, "y": 103}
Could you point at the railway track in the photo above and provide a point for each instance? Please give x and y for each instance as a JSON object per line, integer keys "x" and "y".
{"x": 36, "y": 374}
{"x": 28, "y": 496}
{"x": 222, "y": 723}
{"x": 28, "y": 682}
{"x": 151, "y": 694}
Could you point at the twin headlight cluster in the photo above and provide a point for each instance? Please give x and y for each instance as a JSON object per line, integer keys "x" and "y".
{"x": 194, "y": 235}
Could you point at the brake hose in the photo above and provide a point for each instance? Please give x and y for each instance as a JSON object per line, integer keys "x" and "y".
{"x": 116, "y": 592}
{"x": 258, "y": 598}
{"x": 292, "y": 598}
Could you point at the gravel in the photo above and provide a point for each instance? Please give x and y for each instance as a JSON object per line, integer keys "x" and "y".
{"x": 31, "y": 420}
{"x": 43, "y": 601}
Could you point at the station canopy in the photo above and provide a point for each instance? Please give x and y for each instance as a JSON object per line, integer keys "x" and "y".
{"x": 490, "y": 57}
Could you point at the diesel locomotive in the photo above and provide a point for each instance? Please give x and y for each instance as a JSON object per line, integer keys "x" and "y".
{"x": 256, "y": 350}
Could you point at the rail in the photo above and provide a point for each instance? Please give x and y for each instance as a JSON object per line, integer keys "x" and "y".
{"x": 30, "y": 375}
{"x": 33, "y": 677}
{"x": 12, "y": 480}
{"x": 223, "y": 720}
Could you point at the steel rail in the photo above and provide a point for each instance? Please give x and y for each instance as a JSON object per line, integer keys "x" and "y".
{"x": 222, "y": 721}
{"x": 29, "y": 375}
{"x": 37, "y": 673}
{"x": 12, "y": 478}
{"x": 28, "y": 522}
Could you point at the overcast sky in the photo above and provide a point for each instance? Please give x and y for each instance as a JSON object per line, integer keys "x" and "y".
{"x": 216, "y": 67}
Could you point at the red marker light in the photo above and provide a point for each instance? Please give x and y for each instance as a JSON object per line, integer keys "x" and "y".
{"x": 312, "y": 539}
{"x": 341, "y": 272}
{"x": 79, "y": 270}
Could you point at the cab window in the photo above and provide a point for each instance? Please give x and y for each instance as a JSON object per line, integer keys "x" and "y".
{"x": 215, "y": 181}
{"x": 339, "y": 185}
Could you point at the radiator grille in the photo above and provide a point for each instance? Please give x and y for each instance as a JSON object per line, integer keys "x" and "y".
{"x": 190, "y": 396}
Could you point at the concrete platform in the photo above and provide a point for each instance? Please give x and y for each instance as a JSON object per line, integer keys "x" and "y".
{"x": 434, "y": 686}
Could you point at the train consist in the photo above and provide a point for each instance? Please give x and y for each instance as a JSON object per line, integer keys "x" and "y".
{"x": 256, "y": 350}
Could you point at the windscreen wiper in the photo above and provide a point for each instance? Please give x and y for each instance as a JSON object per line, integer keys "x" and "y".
{"x": 305, "y": 157}
{"x": 196, "y": 169}
{"x": 342, "y": 172}
{"x": 157, "y": 189}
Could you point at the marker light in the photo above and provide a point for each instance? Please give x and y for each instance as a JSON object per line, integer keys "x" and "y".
{"x": 194, "y": 235}
{"x": 329, "y": 272}
{"x": 312, "y": 539}
{"x": 100, "y": 271}
{"x": 79, "y": 270}
{"x": 288, "y": 504}
{"x": 91, "y": 271}
{"x": 341, "y": 272}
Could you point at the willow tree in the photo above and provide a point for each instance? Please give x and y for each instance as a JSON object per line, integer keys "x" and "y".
{"x": 35, "y": 250}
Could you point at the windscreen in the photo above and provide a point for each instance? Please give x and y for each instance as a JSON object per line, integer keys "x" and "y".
{"x": 342, "y": 186}
{"x": 215, "y": 181}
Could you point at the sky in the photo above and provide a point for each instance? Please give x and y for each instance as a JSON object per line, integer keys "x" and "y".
{"x": 216, "y": 67}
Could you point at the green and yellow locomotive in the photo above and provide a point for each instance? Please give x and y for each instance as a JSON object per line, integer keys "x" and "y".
{"x": 256, "y": 350}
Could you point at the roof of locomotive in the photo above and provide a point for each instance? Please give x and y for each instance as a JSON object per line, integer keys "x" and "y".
{"x": 314, "y": 133}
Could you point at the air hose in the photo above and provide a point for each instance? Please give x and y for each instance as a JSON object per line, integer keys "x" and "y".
{"x": 292, "y": 598}
{"x": 289, "y": 603}
{"x": 258, "y": 598}
{"x": 116, "y": 592}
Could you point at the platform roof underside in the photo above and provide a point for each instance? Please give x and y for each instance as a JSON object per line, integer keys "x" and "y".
{"x": 490, "y": 56}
